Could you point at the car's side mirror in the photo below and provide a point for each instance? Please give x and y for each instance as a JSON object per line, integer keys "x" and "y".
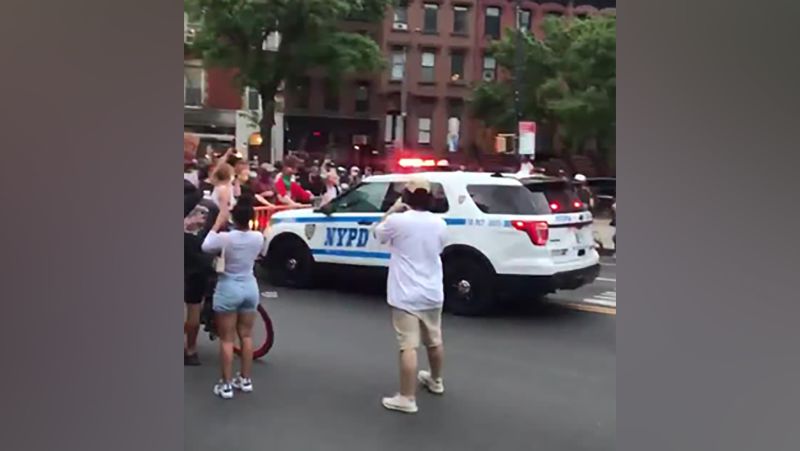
{"x": 326, "y": 209}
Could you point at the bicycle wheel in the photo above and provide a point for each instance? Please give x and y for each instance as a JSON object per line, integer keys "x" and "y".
{"x": 263, "y": 335}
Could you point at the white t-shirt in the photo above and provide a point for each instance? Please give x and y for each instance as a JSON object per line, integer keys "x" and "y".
{"x": 241, "y": 249}
{"x": 416, "y": 240}
{"x": 525, "y": 168}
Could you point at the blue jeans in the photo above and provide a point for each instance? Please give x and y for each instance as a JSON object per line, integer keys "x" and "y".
{"x": 236, "y": 293}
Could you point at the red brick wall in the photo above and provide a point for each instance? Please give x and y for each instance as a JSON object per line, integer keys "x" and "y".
{"x": 221, "y": 90}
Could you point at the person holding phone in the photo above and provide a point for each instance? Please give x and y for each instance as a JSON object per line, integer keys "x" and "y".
{"x": 416, "y": 239}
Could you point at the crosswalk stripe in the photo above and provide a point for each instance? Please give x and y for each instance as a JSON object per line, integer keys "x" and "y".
{"x": 603, "y": 302}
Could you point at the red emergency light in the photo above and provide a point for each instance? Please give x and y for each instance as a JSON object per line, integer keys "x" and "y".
{"x": 420, "y": 163}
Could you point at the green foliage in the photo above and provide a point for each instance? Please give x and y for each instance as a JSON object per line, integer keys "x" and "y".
{"x": 568, "y": 78}
{"x": 232, "y": 34}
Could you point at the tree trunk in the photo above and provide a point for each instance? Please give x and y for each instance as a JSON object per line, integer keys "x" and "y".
{"x": 264, "y": 151}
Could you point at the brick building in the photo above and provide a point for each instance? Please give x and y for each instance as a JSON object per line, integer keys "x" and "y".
{"x": 435, "y": 52}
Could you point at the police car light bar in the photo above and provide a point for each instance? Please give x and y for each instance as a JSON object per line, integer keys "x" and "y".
{"x": 420, "y": 163}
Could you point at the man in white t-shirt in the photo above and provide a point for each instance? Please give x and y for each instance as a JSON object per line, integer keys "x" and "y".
{"x": 415, "y": 292}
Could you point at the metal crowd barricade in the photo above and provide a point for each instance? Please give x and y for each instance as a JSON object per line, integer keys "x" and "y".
{"x": 264, "y": 214}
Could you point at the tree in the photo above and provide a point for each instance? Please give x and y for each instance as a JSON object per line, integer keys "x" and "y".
{"x": 567, "y": 79}
{"x": 234, "y": 34}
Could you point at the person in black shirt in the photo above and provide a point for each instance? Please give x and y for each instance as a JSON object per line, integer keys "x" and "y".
{"x": 198, "y": 271}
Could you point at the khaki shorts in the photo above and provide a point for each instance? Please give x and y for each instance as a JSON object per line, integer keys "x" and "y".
{"x": 413, "y": 327}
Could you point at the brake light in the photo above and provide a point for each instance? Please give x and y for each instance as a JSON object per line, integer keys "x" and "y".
{"x": 538, "y": 231}
{"x": 577, "y": 204}
{"x": 443, "y": 163}
{"x": 428, "y": 163}
{"x": 554, "y": 206}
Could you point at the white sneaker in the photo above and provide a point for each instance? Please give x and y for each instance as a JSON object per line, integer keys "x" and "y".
{"x": 223, "y": 390}
{"x": 244, "y": 384}
{"x": 435, "y": 386}
{"x": 400, "y": 403}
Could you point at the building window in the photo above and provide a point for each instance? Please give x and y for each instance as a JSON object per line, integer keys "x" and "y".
{"x": 431, "y": 18}
{"x": 401, "y": 13}
{"x": 331, "y": 96}
{"x": 301, "y": 94}
{"x": 252, "y": 99}
{"x": 393, "y": 127}
{"x": 457, "y": 65}
{"x": 460, "y": 19}
{"x": 398, "y": 63}
{"x": 489, "y": 68}
{"x": 424, "y": 132}
{"x": 524, "y": 19}
{"x": 492, "y": 22}
{"x": 362, "y": 97}
{"x": 193, "y": 86}
{"x": 428, "y": 67}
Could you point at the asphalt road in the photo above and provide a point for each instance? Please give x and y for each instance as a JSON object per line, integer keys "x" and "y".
{"x": 531, "y": 377}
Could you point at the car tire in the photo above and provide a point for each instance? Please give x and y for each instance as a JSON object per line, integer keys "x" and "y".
{"x": 468, "y": 286}
{"x": 289, "y": 264}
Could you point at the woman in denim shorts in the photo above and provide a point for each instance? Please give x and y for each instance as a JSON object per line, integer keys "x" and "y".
{"x": 236, "y": 295}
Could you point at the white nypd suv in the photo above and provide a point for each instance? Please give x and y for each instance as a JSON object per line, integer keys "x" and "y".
{"x": 506, "y": 235}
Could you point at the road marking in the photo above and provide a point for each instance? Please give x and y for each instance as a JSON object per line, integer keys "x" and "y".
{"x": 269, "y": 294}
{"x": 604, "y": 299}
{"x": 606, "y": 279}
{"x": 592, "y": 308}
{"x": 608, "y": 264}
{"x": 602, "y": 302}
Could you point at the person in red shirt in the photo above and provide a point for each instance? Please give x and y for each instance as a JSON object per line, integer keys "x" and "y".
{"x": 287, "y": 189}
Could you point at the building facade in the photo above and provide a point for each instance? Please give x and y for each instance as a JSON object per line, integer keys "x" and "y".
{"x": 436, "y": 52}
{"x": 217, "y": 110}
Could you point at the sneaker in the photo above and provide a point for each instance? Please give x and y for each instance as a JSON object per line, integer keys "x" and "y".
{"x": 191, "y": 360}
{"x": 223, "y": 390}
{"x": 400, "y": 403}
{"x": 244, "y": 384}
{"x": 435, "y": 386}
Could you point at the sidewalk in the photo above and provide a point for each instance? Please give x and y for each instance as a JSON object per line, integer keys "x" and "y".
{"x": 603, "y": 235}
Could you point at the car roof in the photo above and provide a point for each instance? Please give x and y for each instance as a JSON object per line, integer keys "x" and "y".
{"x": 482, "y": 178}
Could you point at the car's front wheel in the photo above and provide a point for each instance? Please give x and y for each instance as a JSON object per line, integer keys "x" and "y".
{"x": 468, "y": 287}
{"x": 289, "y": 264}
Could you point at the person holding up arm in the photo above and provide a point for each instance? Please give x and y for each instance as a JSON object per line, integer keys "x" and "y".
{"x": 236, "y": 295}
{"x": 415, "y": 292}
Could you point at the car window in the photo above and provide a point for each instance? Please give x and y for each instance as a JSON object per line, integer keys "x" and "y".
{"x": 508, "y": 200}
{"x": 364, "y": 198}
{"x": 560, "y": 196}
{"x": 439, "y": 204}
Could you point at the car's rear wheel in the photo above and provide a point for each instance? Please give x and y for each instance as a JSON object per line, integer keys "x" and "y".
{"x": 468, "y": 286}
{"x": 289, "y": 264}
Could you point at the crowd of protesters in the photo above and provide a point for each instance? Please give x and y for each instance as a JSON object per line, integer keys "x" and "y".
{"x": 220, "y": 193}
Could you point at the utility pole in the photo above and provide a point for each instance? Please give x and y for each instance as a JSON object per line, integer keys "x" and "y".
{"x": 518, "y": 60}
{"x": 404, "y": 100}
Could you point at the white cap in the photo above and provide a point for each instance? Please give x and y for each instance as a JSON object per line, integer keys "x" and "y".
{"x": 580, "y": 178}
